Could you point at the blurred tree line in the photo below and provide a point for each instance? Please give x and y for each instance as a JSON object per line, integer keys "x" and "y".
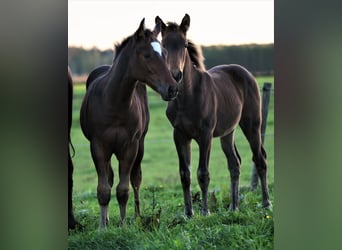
{"x": 259, "y": 59}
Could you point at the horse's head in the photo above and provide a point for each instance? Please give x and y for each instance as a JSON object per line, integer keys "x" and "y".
{"x": 148, "y": 64}
{"x": 175, "y": 42}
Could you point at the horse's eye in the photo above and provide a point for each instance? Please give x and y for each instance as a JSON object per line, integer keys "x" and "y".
{"x": 186, "y": 44}
{"x": 147, "y": 56}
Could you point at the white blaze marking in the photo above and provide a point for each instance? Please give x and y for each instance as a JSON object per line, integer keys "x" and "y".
{"x": 156, "y": 47}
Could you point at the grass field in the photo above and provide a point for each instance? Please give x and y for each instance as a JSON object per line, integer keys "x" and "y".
{"x": 250, "y": 228}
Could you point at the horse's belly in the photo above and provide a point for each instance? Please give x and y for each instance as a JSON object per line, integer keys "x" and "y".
{"x": 227, "y": 123}
{"x": 224, "y": 130}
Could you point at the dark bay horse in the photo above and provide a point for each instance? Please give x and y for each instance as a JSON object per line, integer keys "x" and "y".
{"x": 211, "y": 104}
{"x": 72, "y": 223}
{"x": 114, "y": 114}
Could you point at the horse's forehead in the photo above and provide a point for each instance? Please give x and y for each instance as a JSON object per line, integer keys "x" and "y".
{"x": 175, "y": 40}
{"x": 174, "y": 33}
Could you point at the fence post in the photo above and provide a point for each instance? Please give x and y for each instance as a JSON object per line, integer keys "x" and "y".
{"x": 266, "y": 91}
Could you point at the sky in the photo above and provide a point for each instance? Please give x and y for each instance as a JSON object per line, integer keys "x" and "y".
{"x": 101, "y": 24}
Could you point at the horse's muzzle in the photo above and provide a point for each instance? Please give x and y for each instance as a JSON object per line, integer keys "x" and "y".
{"x": 169, "y": 93}
{"x": 172, "y": 92}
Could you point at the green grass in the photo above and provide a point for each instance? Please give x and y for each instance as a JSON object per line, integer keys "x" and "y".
{"x": 250, "y": 228}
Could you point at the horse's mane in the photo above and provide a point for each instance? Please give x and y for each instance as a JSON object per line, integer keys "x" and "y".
{"x": 119, "y": 46}
{"x": 196, "y": 55}
{"x": 195, "y": 52}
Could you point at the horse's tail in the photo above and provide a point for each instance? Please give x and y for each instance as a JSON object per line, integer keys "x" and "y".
{"x": 95, "y": 73}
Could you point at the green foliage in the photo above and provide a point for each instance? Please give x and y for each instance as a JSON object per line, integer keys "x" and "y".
{"x": 250, "y": 228}
{"x": 82, "y": 61}
{"x": 257, "y": 58}
{"x": 162, "y": 224}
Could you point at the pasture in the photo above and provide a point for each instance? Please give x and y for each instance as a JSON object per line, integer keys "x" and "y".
{"x": 250, "y": 228}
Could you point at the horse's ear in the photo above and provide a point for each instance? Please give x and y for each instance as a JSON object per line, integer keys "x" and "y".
{"x": 185, "y": 23}
{"x": 141, "y": 30}
{"x": 160, "y": 26}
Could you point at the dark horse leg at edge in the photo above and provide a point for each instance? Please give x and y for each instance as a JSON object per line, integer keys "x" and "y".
{"x": 72, "y": 223}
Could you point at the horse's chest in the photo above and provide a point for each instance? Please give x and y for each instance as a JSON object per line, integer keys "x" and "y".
{"x": 125, "y": 127}
{"x": 185, "y": 123}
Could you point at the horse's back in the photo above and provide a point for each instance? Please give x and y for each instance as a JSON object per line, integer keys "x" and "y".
{"x": 95, "y": 73}
{"x": 237, "y": 76}
{"x": 235, "y": 87}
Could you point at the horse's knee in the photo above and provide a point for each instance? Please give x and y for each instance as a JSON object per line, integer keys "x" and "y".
{"x": 122, "y": 194}
{"x": 203, "y": 177}
{"x": 185, "y": 177}
{"x": 103, "y": 194}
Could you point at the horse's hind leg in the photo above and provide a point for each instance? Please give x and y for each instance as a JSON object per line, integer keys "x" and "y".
{"x": 253, "y": 135}
{"x": 136, "y": 178}
{"x": 234, "y": 161}
{"x": 254, "y": 178}
{"x": 104, "y": 172}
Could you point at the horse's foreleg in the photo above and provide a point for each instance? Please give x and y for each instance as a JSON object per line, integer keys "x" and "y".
{"x": 126, "y": 162}
{"x": 184, "y": 156}
{"x": 203, "y": 169}
{"x": 103, "y": 187}
{"x": 136, "y": 178}
{"x": 234, "y": 161}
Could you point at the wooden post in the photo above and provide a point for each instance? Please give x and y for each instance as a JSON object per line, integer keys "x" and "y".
{"x": 266, "y": 91}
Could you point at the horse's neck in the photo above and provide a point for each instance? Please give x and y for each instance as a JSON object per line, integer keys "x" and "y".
{"x": 191, "y": 76}
{"x": 120, "y": 86}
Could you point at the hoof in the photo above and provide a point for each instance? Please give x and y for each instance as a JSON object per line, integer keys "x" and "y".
{"x": 102, "y": 227}
{"x": 121, "y": 223}
{"x": 76, "y": 226}
{"x": 267, "y": 205}
{"x": 205, "y": 212}
{"x": 233, "y": 208}
{"x": 189, "y": 214}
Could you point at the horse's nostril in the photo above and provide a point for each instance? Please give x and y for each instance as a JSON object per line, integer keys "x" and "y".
{"x": 177, "y": 75}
